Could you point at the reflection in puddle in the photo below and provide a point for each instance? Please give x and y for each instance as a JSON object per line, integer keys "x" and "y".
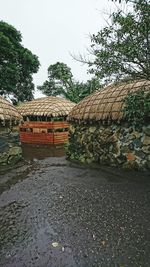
{"x": 42, "y": 151}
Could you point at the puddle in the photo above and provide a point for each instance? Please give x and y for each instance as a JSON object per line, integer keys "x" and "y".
{"x": 31, "y": 152}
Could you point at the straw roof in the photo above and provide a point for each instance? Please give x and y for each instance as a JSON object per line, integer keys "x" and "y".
{"x": 50, "y": 106}
{"x": 107, "y": 103}
{"x": 8, "y": 113}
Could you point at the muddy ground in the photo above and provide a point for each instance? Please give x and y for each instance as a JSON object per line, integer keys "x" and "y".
{"x": 54, "y": 213}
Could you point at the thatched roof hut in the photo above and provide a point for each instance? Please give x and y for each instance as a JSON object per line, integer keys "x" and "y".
{"x": 45, "y": 120}
{"x": 46, "y": 107}
{"x": 107, "y": 103}
{"x": 101, "y": 133}
{"x": 8, "y": 113}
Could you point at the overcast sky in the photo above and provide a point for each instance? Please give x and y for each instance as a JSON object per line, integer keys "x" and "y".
{"x": 52, "y": 29}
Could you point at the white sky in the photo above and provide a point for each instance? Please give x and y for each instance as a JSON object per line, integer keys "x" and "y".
{"x": 52, "y": 29}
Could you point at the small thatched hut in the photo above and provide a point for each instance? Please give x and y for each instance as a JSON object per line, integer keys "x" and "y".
{"x": 8, "y": 113}
{"x": 99, "y": 131}
{"x": 10, "y": 150}
{"x": 45, "y": 120}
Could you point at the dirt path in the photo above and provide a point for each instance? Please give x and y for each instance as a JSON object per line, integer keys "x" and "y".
{"x": 57, "y": 214}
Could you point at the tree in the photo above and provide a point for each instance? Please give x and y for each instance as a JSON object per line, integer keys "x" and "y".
{"x": 122, "y": 49}
{"x": 90, "y": 86}
{"x": 121, "y": 1}
{"x": 61, "y": 83}
{"x": 17, "y": 64}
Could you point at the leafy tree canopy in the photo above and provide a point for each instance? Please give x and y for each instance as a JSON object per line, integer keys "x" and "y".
{"x": 17, "y": 64}
{"x": 128, "y": 1}
{"x": 61, "y": 83}
{"x": 122, "y": 49}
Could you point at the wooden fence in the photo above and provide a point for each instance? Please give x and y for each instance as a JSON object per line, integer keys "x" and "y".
{"x": 53, "y": 132}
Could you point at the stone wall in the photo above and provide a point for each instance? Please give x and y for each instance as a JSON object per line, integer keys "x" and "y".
{"x": 10, "y": 148}
{"x": 116, "y": 145}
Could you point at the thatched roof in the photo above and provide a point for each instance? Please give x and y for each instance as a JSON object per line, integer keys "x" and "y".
{"x": 8, "y": 113}
{"x": 50, "y": 106}
{"x": 107, "y": 103}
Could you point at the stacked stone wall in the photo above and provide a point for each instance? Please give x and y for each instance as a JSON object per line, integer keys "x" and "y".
{"x": 10, "y": 148}
{"x": 116, "y": 145}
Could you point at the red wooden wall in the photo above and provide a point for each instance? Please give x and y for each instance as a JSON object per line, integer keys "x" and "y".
{"x": 55, "y": 132}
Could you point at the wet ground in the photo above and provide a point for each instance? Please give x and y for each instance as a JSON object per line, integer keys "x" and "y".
{"x": 57, "y": 214}
{"x": 31, "y": 152}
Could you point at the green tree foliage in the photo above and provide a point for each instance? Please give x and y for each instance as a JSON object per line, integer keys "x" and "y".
{"x": 90, "y": 86}
{"x": 122, "y": 49}
{"x": 137, "y": 107}
{"x": 130, "y": 1}
{"x": 61, "y": 83}
{"x": 17, "y": 64}
{"x": 122, "y": 0}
